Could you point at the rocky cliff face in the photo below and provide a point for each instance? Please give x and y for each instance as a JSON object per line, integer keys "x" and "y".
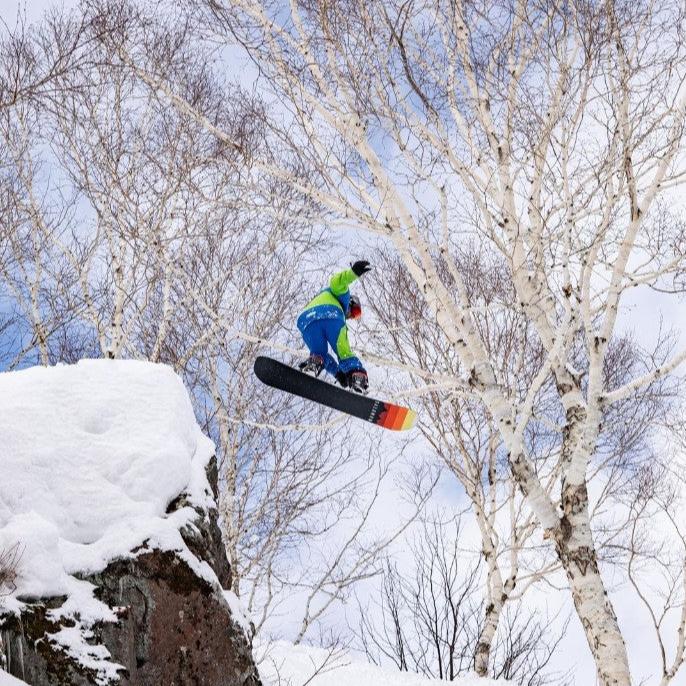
{"x": 174, "y": 627}
{"x": 109, "y": 492}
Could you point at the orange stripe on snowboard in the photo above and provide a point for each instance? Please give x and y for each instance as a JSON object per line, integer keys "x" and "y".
{"x": 401, "y": 419}
{"x": 397, "y": 418}
{"x": 389, "y": 420}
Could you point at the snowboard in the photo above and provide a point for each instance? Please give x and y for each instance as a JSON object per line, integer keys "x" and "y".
{"x": 285, "y": 378}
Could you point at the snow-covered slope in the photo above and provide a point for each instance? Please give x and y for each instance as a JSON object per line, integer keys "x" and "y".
{"x": 8, "y": 680}
{"x": 283, "y": 664}
{"x": 91, "y": 456}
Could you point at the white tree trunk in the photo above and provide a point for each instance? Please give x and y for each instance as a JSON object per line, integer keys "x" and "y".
{"x": 576, "y": 548}
{"x": 484, "y": 645}
{"x": 577, "y": 553}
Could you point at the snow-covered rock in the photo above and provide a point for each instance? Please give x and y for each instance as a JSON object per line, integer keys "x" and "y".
{"x": 105, "y": 495}
{"x": 285, "y": 664}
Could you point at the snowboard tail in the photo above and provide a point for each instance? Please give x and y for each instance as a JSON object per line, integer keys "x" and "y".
{"x": 285, "y": 378}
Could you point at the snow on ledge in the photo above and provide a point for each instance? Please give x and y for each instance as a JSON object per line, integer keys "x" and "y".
{"x": 284, "y": 664}
{"x": 238, "y": 613}
{"x": 91, "y": 456}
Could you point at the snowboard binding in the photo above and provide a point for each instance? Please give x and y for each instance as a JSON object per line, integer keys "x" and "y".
{"x": 355, "y": 381}
{"x": 313, "y": 365}
{"x": 358, "y": 382}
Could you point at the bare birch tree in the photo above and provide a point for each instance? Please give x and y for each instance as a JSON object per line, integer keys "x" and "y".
{"x": 462, "y": 436}
{"x": 32, "y": 57}
{"x": 546, "y": 132}
{"x": 465, "y": 440}
{"x": 150, "y": 238}
{"x": 429, "y": 617}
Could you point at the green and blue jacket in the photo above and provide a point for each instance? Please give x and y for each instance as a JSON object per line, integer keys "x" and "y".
{"x": 328, "y": 309}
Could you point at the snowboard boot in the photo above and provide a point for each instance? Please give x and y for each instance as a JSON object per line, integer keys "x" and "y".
{"x": 358, "y": 382}
{"x": 313, "y": 365}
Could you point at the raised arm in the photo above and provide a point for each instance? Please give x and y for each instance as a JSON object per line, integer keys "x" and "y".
{"x": 340, "y": 282}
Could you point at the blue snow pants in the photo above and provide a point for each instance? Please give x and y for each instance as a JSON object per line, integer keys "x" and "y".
{"x": 319, "y": 335}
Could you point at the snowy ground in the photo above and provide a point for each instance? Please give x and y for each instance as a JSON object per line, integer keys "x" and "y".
{"x": 91, "y": 456}
{"x": 8, "y": 680}
{"x": 284, "y": 664}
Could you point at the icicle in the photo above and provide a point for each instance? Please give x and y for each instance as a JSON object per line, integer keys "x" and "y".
{"x": 8, "y": 653}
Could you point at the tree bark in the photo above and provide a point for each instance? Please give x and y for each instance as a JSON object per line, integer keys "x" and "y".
{"x": 576, "y": 552}
{"x": 482, "y": 653}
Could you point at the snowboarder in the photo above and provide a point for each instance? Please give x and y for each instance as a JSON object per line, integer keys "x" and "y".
{"x": 323, "y": 324}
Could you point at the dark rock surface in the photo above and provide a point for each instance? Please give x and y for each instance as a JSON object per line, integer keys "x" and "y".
{"x": 175, "y": 628}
